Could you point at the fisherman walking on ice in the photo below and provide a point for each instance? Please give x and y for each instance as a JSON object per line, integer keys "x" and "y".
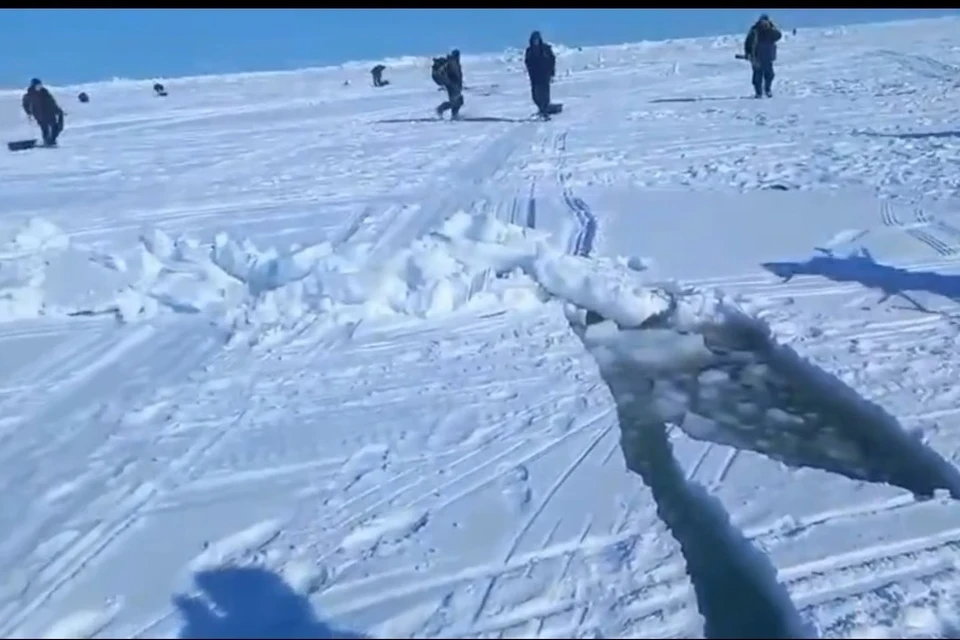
{"x": 541, "y": 68}
{"x": 38, "y": 103}
{"x": 760, "y": 48}
{"x": 448, "y": 74}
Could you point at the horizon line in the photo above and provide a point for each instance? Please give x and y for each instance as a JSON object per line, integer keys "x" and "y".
{"x": 409, "y": 59}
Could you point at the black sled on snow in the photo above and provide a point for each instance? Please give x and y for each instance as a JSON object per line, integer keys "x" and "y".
{"x": 22, "y": 145}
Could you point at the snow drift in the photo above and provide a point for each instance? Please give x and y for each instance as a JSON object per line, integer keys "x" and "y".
{"x": 468, "y": 260}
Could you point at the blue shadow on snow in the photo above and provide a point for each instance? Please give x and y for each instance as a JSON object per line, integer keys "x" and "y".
{"x": 249, "y": 602}
{"x": 864, "y": 269}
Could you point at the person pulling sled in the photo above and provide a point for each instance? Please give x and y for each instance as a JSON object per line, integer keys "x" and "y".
{"x": 760, "y": 48}
{"x": 541, "y": 67}
{"x": 39, "y": 104}
{"x": 448, "y": 74}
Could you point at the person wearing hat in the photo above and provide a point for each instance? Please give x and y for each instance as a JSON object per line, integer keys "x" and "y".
{"x": 760, "y": 48}
{"x": 38, "y": 103}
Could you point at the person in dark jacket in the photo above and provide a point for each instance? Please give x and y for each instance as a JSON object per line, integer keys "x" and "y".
{"x": 760, "y": 48}
{"x": 541, "y": 67}
{"x": 39, "y": 104}
{"x": 449, "y": 75}
{"x": 377, "y": 73}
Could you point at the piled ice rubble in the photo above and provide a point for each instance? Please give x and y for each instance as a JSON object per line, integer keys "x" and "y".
{"x": 41, "y": 273}
{"x": 469, "y": 259}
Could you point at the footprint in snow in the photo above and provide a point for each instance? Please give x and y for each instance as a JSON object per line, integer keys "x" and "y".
{"x": 392, "y": 528}
{"x": 367, "y": 460}
{"x": 515, "y": 488}
{"x": 454, "y": 428}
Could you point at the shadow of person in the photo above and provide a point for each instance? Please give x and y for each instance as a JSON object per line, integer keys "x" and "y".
{"x": 249, "y": 602}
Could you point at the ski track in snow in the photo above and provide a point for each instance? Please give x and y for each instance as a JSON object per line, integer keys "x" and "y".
{"x": 385, "y": 431}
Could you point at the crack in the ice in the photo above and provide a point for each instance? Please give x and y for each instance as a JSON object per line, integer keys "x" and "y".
{"x": 760, "y": 396}
{"x": 736, "y": 586}
{"x": 812, "y": 418}
{"x": 737, "y": 590}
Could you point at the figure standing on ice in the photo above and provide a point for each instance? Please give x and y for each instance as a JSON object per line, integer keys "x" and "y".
{"x": 541, "y": 67}
{"x": 448, "y": 74}
{"x": 377, "y": 73}
{"x": 39, "y": 104}
{"x": 760, "y": 48}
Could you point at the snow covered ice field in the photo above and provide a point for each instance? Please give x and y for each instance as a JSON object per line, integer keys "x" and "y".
{"x": 283, "y": 356}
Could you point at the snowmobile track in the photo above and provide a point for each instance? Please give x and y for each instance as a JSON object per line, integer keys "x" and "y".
{"x": 920, "y": 229}
{"x": 582, "y": 244}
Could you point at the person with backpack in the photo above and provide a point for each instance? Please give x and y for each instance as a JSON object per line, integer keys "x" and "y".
{"x": 39, "y": 104}
{"x": 760, "y": 48}
{"x": 436, "y": 72}
{"x": 541, "y": 67}
{"x": 448, "y": 74}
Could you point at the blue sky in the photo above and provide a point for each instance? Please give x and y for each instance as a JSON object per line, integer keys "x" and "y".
{"x": 64, "y": 46}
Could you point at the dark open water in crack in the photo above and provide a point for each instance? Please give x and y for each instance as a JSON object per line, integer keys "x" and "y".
{"x": 737, "y": 590}
{"x": 829, "y": 427}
